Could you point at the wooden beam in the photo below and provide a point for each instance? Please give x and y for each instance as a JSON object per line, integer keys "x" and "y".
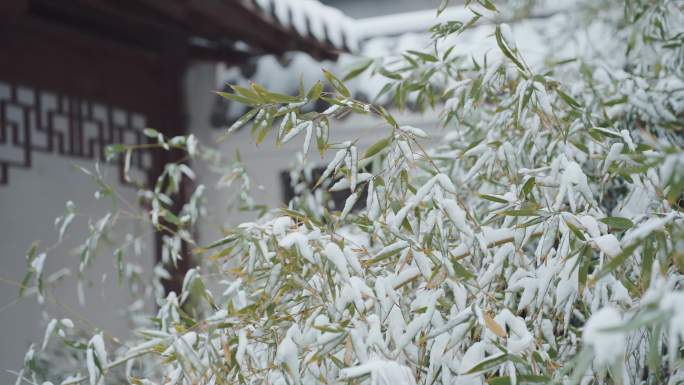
{"x": 121, "y": 23}
{"x": 12, "y": 8}
{"x": 240, "y": 22}
{"x": 61, "y": 59}
{"x": 226, "y": 55}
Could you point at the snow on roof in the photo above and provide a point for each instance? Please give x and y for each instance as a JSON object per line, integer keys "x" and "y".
{"x": 310, "y": 18}
{"x": 379, "y": 42}
{"x": 421, "y": 21}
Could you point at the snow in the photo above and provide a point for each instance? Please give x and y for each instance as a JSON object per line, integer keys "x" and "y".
{"x": 473, "y": 356}
{"x": 609, "y": 245}
{"x": 38, "y": 263}
{"x": 446, "y": 183}
{"x": 302, "y": 243}
{"x": 456, "y": 215}
{"x": 348, "y": 205}
{"x": 233, "y": 288}
{"x": 288, "y": 353}
{"x": 49, "y": 330}
{"x": 591, "y": 225}
{"x": 379, "y": 38}
{"x": 99, "y": 347}
{"x": 336, "y": 256}
{"x": 93, "y": 372}
{"x": 673, "y": 305}
{"x": 608, "y": 346}
{"x": 642, "y": 230}
{"x": 519, "y": 338}
{"x": 281, "y": 224}
{"x": 415, "y": 131}
{"x": 406, "y": 150}
{"x": 382, "y": 372}
{"x": 493, "y": 235}
{"x": 312, "y": 18}
{"x": 398, "y": 245}
{"x": 344, "y": 183}
{"x": 613, "y": 154}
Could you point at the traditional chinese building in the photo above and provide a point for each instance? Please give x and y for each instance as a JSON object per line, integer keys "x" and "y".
{"x": 79, "y": 75}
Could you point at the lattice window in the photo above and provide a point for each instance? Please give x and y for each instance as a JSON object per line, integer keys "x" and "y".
{"x": 33, "y": 120}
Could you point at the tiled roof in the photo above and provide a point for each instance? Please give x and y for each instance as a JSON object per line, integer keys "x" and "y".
{"x": 310, "y": 20}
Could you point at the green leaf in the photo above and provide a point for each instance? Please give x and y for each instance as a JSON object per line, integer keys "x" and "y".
{"x": 262, "y": 134}
{"x": 385, "y": 89}
{"x": 315, "y": 91}
{"x": 247, "y": 93}
{"x": 648, "y": 253}
{"x": 654, "y": 351}
{"x": 520, "y": 213}
{"x": 151, "y": 133}
{"x": 604, "y": 132}
{"x": 423, "y": 56}
{"x": 461, "y": 271}
{"x": 442, "y": 6}
{"x": 493, "y": 198}
{"x": 616, "y": 101}
{"x": 528, "y": 186}
{"x": 578, "y": 233}
{"x": 378, "y": 146}
{"x": 388, "y": 74}
{"x": 616, "y": 262}
{"x": 223, "y": 241}
{"x": 358, "y": 70}
{"x": 617, "y": 222}
{"x": 584, "y": 265}
{"x": 568, "y": 99}
{"x": 273, "y": 97}
{"x": 488, "y": 364}
{"x": 117, "y": 148}
{"x": 529, "y": 223}
{"x": 506, "y": 51}
{"x": 30, "y": 256}
{"x": 522, "y": 379}
{"x": 383, "y": 256}
{"x": 336, "y": 83}
{"x": 243, "y": 120}
{"x": 236, "y": 98}
{"x": 488, "y": 4}
{"x": 502, "y": 380}
{"x": 388, "y": 117}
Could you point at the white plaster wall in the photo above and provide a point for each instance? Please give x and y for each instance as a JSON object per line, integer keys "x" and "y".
{"x": 28, "y": 207}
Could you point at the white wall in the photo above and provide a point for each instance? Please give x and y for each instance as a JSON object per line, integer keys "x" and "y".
{"x": 28, "y": 207}
{"x": 29, "y": 204}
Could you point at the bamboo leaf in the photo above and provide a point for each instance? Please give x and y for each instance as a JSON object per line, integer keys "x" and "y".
{"x": 336, "y": 83}
{"x": 618, "y": 222}
{"x": 378, "y": 146}
{"x": 358, "y": 70}
{"x": 494, "y": 326}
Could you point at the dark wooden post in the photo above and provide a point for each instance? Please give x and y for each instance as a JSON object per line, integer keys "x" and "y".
{"x": 172, "y": 121}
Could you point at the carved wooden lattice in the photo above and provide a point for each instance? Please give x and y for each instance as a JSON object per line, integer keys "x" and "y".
{"x": 35, "y": 120}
